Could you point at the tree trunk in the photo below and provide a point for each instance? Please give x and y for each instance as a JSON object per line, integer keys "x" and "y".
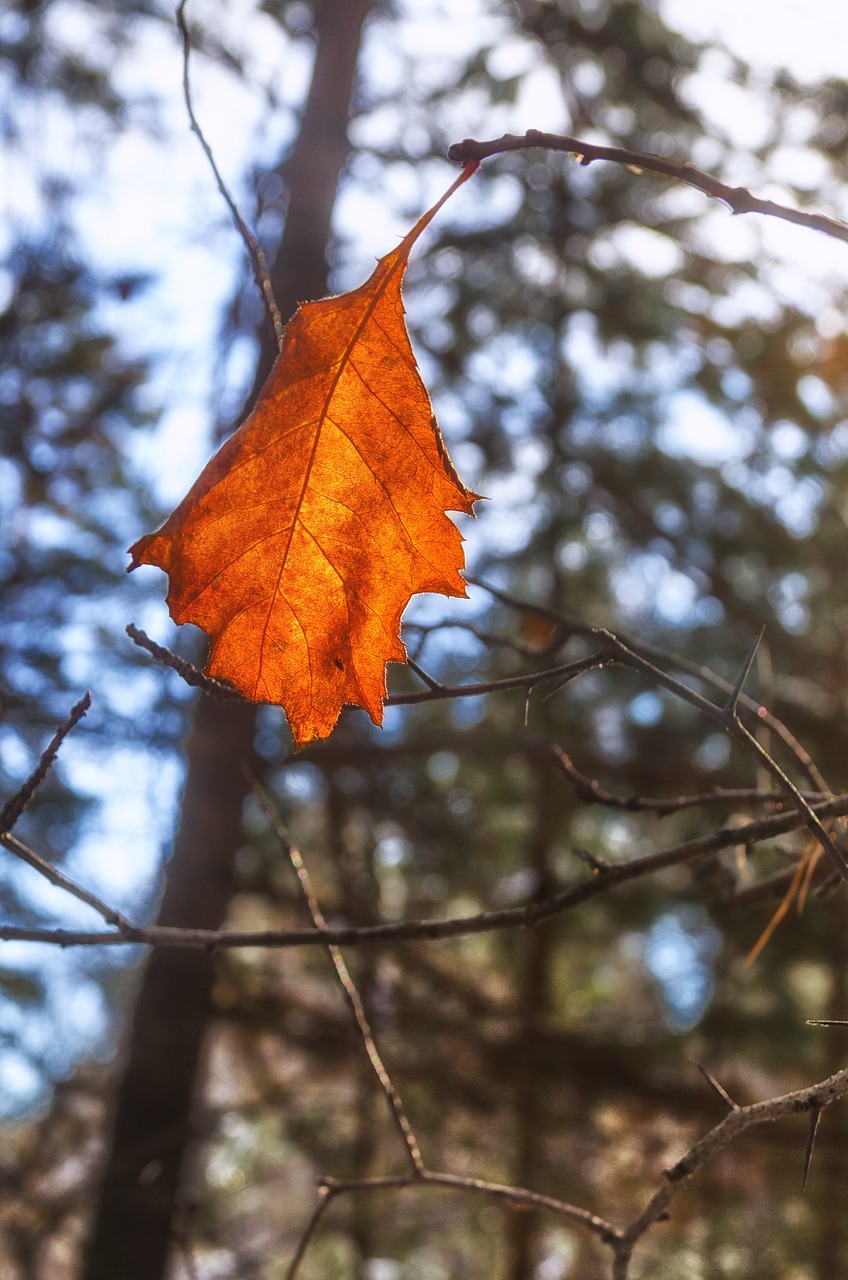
{"x": 140, "y": 1191}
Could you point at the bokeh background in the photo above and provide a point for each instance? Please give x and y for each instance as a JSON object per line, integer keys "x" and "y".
{"x": 651, "y": 394}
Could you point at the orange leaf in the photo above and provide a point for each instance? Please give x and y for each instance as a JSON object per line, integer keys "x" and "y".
{"x": 301, "y": 543}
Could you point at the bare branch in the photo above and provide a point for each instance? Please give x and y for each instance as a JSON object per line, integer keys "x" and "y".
{"x": 591, "y": 790}
{"x": 191, "y": 674}
{"x": 257, "y": 256}
{"x": 429, "y": 680}
{"x": 729, "y": 720}
{"x": 435, "y": 691}
{"x": 61, "y": 881}
{"x": 14, "y": 807}
{"x": 622, "y": 1242}
{"x": 520, "y": 1197}
{"x": 576, "y": 626}
{"x": 738, "y": 199}
{"x": 605, "y": 879}
{"x": 492, "y": 639}
{"x": 563, "y": 674}
{"x": 392, "y": 1096}
{"x": 326, "y": 1196}
{"x": 814, "y": 1098}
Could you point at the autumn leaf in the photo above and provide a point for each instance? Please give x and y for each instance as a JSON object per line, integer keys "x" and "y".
{"x": 302, "y": 541}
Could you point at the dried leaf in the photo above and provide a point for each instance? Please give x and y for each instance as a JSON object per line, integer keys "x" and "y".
{"x": 301, "y": 543}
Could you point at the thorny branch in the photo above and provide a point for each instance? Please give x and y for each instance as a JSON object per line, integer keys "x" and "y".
{"x": 434, "y": 691}
{"x": 738, "y": 199}
{"x": 570, "y": 625}
{"x": 803, "y": 1101}
{"x": 620, "y": 1240}
{"x": 812, "y": 811}
{"x": 811, "y": 807}
{"x": 727, "y": 718}
{"x": 612, "y": 650}
{"x": 603, "y": 880}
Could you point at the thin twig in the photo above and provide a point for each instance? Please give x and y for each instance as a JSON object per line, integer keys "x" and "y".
{"x": 576, "y": 626}
{"x": 392, "y": 1096}
{"x": 729, "y": 720}
{"x": 765, "y": 890}
{"x": 771, "y": 766}
{"x": 15, "y": 805}
{"x": 592, "y": 860}
{"x": 591, "y": 790}
{"x": 814, "y": 1098}
{"x": 191, "y": 674}
{"x": 520, "y": 1197}
{"x": 327, "y": 1195}
{"x": 739, "y": 199}
{"x": 532, "y": 913}
{"x": 492, "y": 639}
{"x": 563, "y": 674}
{"x": 257, "y": 256}
{"x": 429, "y": 680}
{"x": 61, "y": 881}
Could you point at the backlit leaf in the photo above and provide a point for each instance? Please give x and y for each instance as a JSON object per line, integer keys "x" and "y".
{"x": 301, "y": 543}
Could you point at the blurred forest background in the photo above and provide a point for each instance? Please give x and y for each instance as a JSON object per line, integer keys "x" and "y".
{"x": 653, "y": 395}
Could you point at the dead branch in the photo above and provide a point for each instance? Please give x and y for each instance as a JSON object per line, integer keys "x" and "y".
{"x": 533, "y": 913}
{"x": 398, "y": 1111}
{"x": 621, "y": 1241}
{"x": 590, "y": 789}
{"x": 738, "y": 199}
{"x": 14, "y": 807}
{"x": 254, "y": 249}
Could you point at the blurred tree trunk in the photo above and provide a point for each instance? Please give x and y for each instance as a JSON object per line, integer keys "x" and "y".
{"x": 142, "y": 1188}
{"x": 829, "y": 1168}
{"x": 535, "y": 1000}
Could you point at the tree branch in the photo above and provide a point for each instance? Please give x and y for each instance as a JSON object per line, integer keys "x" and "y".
{"x": 532, "y": 913}
{"x": 738, "y": 199}
{"x": 14, "y": 807}
{"x": 61, "y": 881}
{"x": 622, "y": 1241}
{"x": 590, "y": 789}
{"x": 728, "y": 718}
{"x": 814, "y": 1098}
{"x": 577, "y": 626}
{"x": 191, "y": 674}
{"x": 398, "y": 1111}
{"x": 254, "y": 249}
